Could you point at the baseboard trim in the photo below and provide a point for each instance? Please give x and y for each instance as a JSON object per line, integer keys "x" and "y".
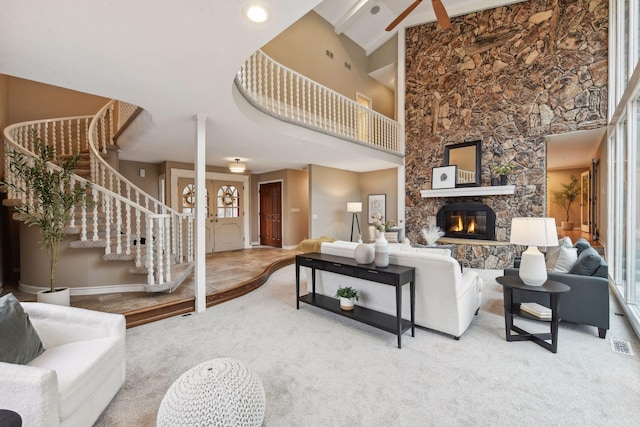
{"x": 86, "y": 290}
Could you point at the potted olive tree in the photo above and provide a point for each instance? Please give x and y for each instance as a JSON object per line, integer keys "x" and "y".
{"x": 565, "y": 198}
{"x": 347, "y": 296}
{"x": 54, "y": 198}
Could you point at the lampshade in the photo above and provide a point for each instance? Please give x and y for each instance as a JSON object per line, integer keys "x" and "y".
{"x": 534, "y": 232}
{"x": 237, "y": 167}
{"x": 354, "y": 207}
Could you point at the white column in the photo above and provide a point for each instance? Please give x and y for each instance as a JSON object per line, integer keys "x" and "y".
{"x": 201, "y": 212}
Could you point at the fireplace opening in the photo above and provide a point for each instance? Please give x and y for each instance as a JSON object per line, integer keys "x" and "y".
{"x": 467, "y": 220}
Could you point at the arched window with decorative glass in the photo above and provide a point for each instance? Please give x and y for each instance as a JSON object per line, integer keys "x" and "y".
{"x": 228, "y": 202}
{"x": 189, "y": 199}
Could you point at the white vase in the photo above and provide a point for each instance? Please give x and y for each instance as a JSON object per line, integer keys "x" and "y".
{"x": 346, "y": 304}
{"x": 382, "y": 251}
{"x": 61, "y": 296}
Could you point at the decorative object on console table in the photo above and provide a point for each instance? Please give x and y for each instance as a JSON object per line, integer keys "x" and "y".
{"x": 382, "y": 251}
{"x": 347, "y": 297}
{"x": 565, "y": 198}
{"x": 355, "y": 208}
{"x": 364, "y": 254}
{"x": 533, "y": 232}
{"x": 381, "y": 244}
{"x": 504, "y": 169}
{"x": 444, "y": 177}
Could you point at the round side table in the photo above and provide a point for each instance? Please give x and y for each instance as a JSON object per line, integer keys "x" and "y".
{"x": 553, "y": 289}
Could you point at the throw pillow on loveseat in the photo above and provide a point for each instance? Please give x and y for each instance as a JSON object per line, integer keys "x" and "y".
{"x": 587, "y": 302}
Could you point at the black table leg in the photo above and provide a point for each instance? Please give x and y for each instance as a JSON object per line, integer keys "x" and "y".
{"x": 555, "y": 319}
{"x": 399, "y": 313}
{"x": 297, "y": 285}
{"x": 412, "y": 301}
{"x": 508, "y": 315}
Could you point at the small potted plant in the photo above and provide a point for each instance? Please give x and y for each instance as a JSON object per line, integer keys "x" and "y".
{"x": 504, "y": 169}
{"x": 347, "y": 297}
{"x": 55, "y": 197}
{"x": 565, "y": 198}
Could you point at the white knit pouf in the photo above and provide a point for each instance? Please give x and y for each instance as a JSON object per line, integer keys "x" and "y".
{"x": 220, "y": 392}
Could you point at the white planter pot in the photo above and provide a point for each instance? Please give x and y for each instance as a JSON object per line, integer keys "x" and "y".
{"x": 60, "y": 297}
{"x": 346, "y": 304}
{"x": 382, "y": 251}
{"x": 567, "y": 225}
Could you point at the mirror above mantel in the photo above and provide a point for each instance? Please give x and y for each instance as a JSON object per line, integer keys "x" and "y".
{"x": 467, "y": 157}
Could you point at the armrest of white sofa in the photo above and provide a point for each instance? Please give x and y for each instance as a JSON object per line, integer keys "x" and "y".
{"x": 24, "y": 386}
{"x": 471, "y": 282}
{"x": 58, "y": 325}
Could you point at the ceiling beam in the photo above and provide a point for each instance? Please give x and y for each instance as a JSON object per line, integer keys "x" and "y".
{"x": 344, "y": 21}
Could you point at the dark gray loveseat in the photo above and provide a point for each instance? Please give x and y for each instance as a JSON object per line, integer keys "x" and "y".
{"x": 587, "y": 302}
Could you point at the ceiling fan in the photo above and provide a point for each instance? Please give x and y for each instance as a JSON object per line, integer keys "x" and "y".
{"x": 438, "y": 8}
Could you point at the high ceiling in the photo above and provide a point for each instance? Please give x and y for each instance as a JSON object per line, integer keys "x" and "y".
{"x": 178, "y": 59}
{"x": 364, "y": 21}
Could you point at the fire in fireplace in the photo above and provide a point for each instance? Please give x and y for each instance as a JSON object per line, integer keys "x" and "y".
{"x": 467, "y": 220}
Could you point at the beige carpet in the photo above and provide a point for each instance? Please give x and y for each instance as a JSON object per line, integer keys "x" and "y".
{"x": 319, "y": 369}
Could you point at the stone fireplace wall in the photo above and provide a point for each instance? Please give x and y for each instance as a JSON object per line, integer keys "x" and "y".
{"x": 508, "y": 76}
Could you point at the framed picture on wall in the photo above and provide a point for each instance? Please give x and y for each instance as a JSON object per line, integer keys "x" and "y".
{"x": 444, "y": 177}
{"x": 377, "y": 206}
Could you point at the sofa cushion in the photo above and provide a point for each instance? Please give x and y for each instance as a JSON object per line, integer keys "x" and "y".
{"x": 566, "y": 260}
{"x": 553, "y": 252}
{"x": 588, "y": 262}
{"x": 20, "y": 341}
{"x": 79, "y": 366}
{"x": 581, "y": 245}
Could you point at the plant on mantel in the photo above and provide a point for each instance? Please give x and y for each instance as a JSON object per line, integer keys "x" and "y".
{"x": 51, "y": 195}
{"x": 504, "y": 169}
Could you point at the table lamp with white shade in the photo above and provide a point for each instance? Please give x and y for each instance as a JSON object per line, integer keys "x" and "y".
{"x": 533, "y": 232}
{"x": 355, "y": 208}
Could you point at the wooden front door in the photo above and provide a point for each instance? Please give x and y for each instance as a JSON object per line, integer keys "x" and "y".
{"x": 585, "y": 201}
{"x": 271, "y": 214}
{"x": 227, "y": 215}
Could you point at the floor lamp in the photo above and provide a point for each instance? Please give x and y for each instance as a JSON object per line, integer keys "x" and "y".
{"x": 533, "y": 232}
{"x": 355, "y": 207}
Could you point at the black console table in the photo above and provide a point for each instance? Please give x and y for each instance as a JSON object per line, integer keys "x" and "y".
{"x": 394, "y": 275}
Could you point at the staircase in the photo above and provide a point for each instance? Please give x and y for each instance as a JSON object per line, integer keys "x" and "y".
{"x": 129, "y": 224}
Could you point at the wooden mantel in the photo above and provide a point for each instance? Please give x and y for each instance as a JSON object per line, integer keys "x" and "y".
{"x": 501, "y": 190}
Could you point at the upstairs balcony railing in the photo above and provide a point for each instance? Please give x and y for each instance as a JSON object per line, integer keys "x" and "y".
{"x": 287, "y": 95}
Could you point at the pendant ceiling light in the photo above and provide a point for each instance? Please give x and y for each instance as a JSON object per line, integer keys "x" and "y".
{"x": 237, "y": 167}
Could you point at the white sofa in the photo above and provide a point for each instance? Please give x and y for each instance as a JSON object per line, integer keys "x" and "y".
{"x": 81, "y": 369}
{"x": 446, "y": 298}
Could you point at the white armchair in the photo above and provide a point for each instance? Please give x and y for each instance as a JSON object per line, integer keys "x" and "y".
{"x": 82, "y": 368}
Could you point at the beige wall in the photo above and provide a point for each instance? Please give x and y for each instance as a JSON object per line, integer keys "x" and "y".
{"x": 150, "y": 183}
{"x": 555, "y": 179}
{"x": 380, "y": 182}
{"x": 29, "y": 100}
{"x": 331, "y": 190}
{"x": 295, "y": 204}
{"x": 302, "y": 47}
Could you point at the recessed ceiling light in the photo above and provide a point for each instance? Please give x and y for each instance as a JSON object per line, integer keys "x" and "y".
{"x": 256, "y": 13}
{"x": 375, "y": 9}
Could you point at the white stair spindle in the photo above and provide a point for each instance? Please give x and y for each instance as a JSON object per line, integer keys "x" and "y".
{"x": 149, "y": 251}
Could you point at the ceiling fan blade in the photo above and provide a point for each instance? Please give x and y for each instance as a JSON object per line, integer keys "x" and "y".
{"x": 404, "y": 15}
{"x": 441, "y": 14}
